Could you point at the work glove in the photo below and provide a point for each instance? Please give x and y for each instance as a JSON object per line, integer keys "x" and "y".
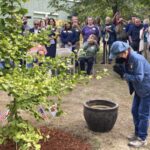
{"x": 119, "y": 69}
{"x": 131, "y": 88}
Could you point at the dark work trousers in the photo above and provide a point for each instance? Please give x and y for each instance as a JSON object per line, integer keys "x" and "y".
{"x": 99, "y": 40}
{"x": 89, "y": 61}
{"x": 141, "y": 112}
{"x": 106, "y": 53}
{"x": 135, "y": 46}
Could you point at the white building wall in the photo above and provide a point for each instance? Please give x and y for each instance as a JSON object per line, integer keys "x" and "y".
{"x": 38, "y": 9}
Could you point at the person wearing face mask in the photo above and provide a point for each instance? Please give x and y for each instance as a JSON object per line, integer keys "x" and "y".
{"x": 135, "y": 69}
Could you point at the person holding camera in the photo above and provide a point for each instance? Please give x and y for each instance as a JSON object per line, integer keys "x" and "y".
{"x": 121, "y": 34}
{"x": 109, "y": 36}
{"x": 88, "y": 54}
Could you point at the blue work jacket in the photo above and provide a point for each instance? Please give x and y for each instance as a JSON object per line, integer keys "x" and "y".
{"x": 137, "y": 73}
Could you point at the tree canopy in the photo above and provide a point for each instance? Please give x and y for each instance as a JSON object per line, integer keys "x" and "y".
{"x": 103, "y": 8}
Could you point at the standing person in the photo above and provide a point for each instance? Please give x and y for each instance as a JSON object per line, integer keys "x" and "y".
{"x": 134, "y": 35}
{"x": 36, "y": 28}
{"x": 116, "y": 18}
{"x": 136, "y": 71}
{"x": 121, "y": 34}
{"x": 25, "y": 26}
{"x": 143, "y": 38}
{"x": 67, "y": 36}
{"x": 148, "y": 38}
{"x": 89, "y": 28}
{"x": 109, "y": 36}
{"x": 42, "y": 25}
{"x": 131, "y": 23}
{"x": 77, "y": 29}
{"x": 51, "y": 50}
{"x": 46, "y": 22}
{"x": 98, "y": 24}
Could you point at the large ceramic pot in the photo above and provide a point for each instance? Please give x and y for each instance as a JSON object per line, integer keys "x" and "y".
{"x": 100, "y": 115}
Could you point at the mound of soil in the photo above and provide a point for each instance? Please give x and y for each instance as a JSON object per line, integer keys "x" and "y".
{"x": 58, "y": 140}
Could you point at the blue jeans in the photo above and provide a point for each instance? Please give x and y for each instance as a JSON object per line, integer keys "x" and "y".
{"x": 141, "y": 112}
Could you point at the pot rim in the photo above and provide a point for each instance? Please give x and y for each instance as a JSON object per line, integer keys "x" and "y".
{"x": 109, "y": 101}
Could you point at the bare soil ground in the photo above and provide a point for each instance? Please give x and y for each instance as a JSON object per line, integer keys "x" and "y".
{"x": 109, "y": 88}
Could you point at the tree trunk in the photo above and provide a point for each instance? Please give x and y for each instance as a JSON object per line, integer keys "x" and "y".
{"x": 115, "y": 9}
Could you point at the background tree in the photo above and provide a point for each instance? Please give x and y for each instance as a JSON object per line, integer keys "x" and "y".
{"x": 103, "y": 8}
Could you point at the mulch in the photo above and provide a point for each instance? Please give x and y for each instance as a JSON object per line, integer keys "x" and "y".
{"x": 58, "y": 140}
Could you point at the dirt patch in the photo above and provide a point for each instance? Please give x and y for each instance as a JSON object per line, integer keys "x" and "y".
{"x": 109, "y": 88}
{"x": 72, "y": 121}
{"x": 57, "y": 140}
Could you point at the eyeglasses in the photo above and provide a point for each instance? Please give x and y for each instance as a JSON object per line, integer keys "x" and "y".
{"x": 36, "y": 24}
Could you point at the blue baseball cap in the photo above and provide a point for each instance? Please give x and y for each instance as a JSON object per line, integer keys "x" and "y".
{"x": 118, "y": 47}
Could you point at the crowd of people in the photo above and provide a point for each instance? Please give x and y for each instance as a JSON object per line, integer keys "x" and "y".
{"x": 74, "y": 36}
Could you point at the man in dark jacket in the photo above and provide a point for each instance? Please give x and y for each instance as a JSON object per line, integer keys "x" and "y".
{"x": 134, "y": 34}
{"x": 136, "y": 71}
{"x": 35, "y": 29}
{"x": 77, "y": 29}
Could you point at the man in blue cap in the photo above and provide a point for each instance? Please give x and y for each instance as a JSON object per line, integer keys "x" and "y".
{"x": 135, "y": 69}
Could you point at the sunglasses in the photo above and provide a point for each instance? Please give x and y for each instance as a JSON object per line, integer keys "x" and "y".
{"x": 36, "y": 24}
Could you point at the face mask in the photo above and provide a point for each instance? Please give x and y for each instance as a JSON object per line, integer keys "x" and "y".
{"x": 145, "y": 26}
{"x": 25, "y": 22}
{"x": 120, "y": 60}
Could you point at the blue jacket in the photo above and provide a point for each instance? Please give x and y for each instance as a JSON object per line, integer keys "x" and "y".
{"x": 137, "y": 71}
{"x": 134, "y": 32}
{"x": 77, "y": 34}
{"x": 129, "y": 27}
{"x": 68, "y": 36}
